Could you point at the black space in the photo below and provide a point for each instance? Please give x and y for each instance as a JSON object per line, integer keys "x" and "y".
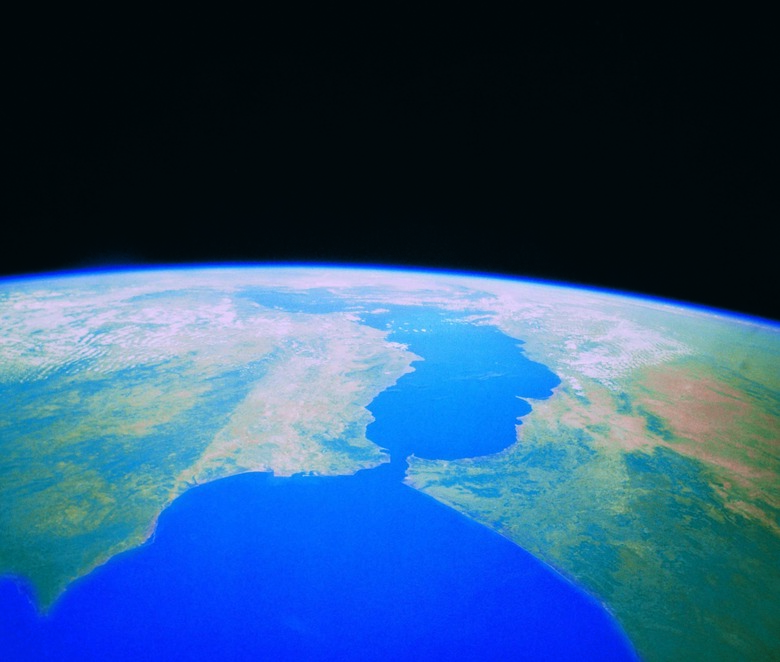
{"x": 627, "y": 150}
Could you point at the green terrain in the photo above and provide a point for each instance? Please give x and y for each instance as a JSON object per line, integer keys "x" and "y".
{"x": 650, "y": 476}
{"x": 146, "y": 395}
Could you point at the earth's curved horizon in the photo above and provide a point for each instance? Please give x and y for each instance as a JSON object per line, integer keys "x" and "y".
{"x": 629, "y": 442}
{"x": 472, "y": 273}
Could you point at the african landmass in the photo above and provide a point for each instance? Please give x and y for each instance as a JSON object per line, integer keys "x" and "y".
{"x": 649, "y": 478}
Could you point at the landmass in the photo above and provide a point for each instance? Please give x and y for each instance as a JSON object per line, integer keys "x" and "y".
{"x": 650, "y": 477}
{"x": 115, "y": 401}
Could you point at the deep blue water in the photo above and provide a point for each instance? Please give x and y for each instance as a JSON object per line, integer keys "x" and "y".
{"x": 356, "y": 567}
{"x": 461, "y": 400}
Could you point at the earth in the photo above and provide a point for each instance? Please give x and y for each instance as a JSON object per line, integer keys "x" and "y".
{"x": 333, "y": 463}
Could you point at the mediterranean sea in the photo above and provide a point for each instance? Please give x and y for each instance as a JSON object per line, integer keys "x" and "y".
{"x": 358, "y": 567}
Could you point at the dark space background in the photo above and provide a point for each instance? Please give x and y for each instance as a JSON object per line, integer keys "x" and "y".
{"x": 622, "y": 150}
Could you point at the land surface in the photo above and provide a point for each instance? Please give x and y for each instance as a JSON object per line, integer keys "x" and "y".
{"x": 649, "y": 477}
{"x": 116, "y": 401}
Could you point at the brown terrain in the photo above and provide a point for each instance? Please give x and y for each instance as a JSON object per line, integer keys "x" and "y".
{"x": 722, "y": 426}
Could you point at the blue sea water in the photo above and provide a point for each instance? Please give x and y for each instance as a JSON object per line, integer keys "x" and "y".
{"x": 358, "y": 567}
{"x": 462, "y": 398}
